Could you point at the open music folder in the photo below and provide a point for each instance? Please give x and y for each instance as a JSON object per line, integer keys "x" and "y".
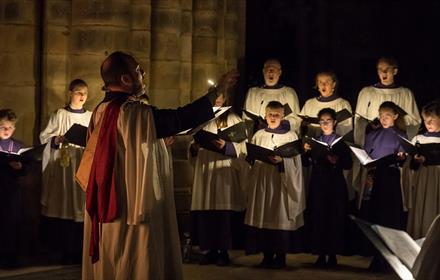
{"x": 367, "y": 161}
{"x": 431, "y": 151}
{"x": 409, "y": 258}
{"x": 255, "y": 152}
{"x": 77, "y": 134}
{"x": 341, "y": 115}
{"x": 23, "y": 155}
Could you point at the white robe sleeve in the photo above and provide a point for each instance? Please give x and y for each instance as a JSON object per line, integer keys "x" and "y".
{"x": 292, "y": 100}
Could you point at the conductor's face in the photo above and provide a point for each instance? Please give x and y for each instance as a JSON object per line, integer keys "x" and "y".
{"x": 138, "y": 86}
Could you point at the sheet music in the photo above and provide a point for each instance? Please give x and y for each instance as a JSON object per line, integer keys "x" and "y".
{"x": 401, "y": 270}
{"x": 362, "y": 155}
{"x": 218, "y": 111}
{"x": 400, "y": 243}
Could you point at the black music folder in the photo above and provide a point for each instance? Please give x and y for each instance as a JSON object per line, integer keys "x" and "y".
{"x": 24, "y": 154}
{"x": 77, "y": 134}
{"x": 431, "y": 151}
{"x": 340, "y": 116}
{"x": 255, "y": 152}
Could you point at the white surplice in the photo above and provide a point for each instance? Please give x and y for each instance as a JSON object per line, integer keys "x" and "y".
{"x": 422, "y": 193}
{"x": 367, "y": 109}
{"x": 312, "y": 107}
{"x": 369, "y": 100}
{"x": 61, "y": 196}
{"x": 275, "y": 200}
{"x": 219, "y": 179}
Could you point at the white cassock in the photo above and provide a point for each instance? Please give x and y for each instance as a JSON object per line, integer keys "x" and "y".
{"x": 219, "y": 179}
{"x": 312, "y": 107}
{"x": 257, "y": 99}
{"x": 61, "y": 196}
{"x": 427, "y": 263}
{"x": 143, "y": 242}
{"x": 367, "y": 109}
{"x": 422, "y": 193}
{"x": 275, "y": 200}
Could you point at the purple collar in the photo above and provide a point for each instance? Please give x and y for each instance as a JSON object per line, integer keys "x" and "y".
{"x": 328, "y": 138}
{"x": 277, "y": 86}
{"x": 332, "y": 97}
{"x": 77, "y": 111}
{"x": 432, "y": 134}
{"x": 380, "y": 85}
{"x": 283, "y": 128}
{"x": 10, "y": 145}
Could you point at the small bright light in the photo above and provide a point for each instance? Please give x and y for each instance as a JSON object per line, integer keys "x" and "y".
{"x": 211, "y": 82}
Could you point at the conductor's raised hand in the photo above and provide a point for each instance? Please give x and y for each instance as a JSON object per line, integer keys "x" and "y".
{"x": 227, "y": 80}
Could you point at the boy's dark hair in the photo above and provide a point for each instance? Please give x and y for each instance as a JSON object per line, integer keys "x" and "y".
{"x": 391, "y": 61}
{"x": 77, "y": 83}
{"x": 8, "y": 115}
{"x": 399, "y": 122}
{"x": 274, "y": 105}
{"x": 327, "y": 111}
{"x": 432, "y": 109}
{"x": 114, "y": 66}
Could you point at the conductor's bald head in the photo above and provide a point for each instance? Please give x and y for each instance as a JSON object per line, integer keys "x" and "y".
{"x": 116, "y": 65}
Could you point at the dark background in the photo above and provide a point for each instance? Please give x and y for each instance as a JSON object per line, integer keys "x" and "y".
{"x": 346, "y": 36}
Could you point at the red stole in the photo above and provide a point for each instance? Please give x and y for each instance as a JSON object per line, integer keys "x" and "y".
{"x": 101, "y": 196}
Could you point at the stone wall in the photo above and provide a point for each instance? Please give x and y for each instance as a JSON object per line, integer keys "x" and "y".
{"x": 19, "y": 55}
{"x": 46, "y": 44}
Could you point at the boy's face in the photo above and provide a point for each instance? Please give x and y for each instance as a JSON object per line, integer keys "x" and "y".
{"x": 78, "y": 97}
{"x": 326, "y": 85}
{"x": 219, "y": 101}
{"x": 327, "y": 124}
{"x": 7, "y": 129}
{"x": 386, "y": 73}
{"x": 271, "y": 72}
{"x": 274, "y": 117}
{"x": 387, "y": 117}
{"x": 432, "y": 123}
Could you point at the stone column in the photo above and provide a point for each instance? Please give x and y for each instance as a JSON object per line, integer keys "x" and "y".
{"x": 18, "y": 60}
{"x": 205, "y": 45}
{"x": 165, "y": 53}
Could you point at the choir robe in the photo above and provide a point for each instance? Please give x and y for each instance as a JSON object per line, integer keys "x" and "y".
{"x": 257, "y": 99}
{"x": 218, "y": 202}
{"x": 327, "y": 201}
{"x": 427, "y": 264}
{"x": 10, "y": 208}
{"x": 314, "y": 105}
{"x": 143, "y": 241}
{"x": 311, "y": 108}
{"x": 386, "y": 203}
{"x": 275, "y": 198}
{"x": 422, "y": 192}
{"x": 61, "y": 196}
{"x": 369, "y": 100}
